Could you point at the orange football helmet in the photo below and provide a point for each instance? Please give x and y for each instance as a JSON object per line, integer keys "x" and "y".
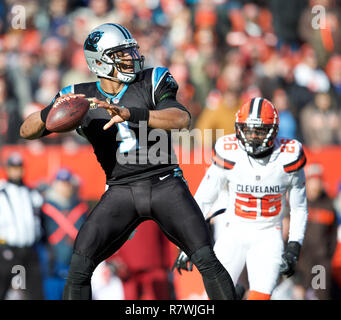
{"x": 256, "y": 126}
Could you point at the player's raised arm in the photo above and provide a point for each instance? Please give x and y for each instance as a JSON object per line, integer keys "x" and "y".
{"x": 171, "y": 118}
{"x": 167, "y": 119}
{"x": 34, "y": 125}
{"x": 167, "y": 113}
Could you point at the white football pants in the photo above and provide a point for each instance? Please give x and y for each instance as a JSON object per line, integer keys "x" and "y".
{"x": 260, "y": 249}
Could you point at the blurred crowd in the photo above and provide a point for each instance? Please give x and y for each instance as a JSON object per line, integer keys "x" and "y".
{"x": 221, "y": 53}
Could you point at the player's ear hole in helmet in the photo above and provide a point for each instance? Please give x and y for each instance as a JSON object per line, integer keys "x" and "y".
{"x": 111, "y": 46}
{"x": 256, "y": 126}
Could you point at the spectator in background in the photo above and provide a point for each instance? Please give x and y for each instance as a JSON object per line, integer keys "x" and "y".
{"x": 223, "y": 25}
{"x": 320, "y": 122}
{"x": 320, "y": 239}
{"x": 51, "y": 70}
{"x": 9, "y": 116}
{"x": 285, "y": 17}
{"x": 143, "y": 265}
{"x": 48, "y": 84}
{"x": 308, "y": 74}
{"x": 97, "y": 12}
{"x": 186, "y": 93}
{"x": 105, "y": 283}
{"x": 79, "y": 30}
{"x": 53, "y": 19}
{"x": 20, "y": 229}
{"x": 286, "y": 118}
{"x": 180, "y": 33}
{"x": 203, "y": 64}
{"x": 53, "y": 54}
{"x": 333, "y": 70}
{"x": 321, "y": 29}
{"x": 219, "y": 113}
{"x": 208, "y": 35}
{"x": 336, "y": 261}
{"x": 23, "y": 73}
{"x": 63, "y": 214}
{"x": 79, "y": 71}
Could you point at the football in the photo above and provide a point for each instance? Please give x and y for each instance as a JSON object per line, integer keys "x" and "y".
{"x": 66, "y": 115}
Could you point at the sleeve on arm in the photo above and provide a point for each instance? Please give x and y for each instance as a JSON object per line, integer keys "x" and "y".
{"x": 165, "y": 89}
{"x": 298, "y": 207}
{"x": 209, "y": 188}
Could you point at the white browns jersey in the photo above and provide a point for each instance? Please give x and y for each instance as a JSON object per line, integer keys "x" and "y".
{"x": 257, "y": 188}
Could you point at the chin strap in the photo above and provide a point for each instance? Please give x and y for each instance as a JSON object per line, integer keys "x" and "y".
{"x": 123, "y": 78}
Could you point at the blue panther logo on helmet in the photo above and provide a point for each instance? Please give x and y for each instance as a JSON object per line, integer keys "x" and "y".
{"x": 92, "y": 40}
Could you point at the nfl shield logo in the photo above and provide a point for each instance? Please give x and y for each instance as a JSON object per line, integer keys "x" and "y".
{"x": 257, "y": 178}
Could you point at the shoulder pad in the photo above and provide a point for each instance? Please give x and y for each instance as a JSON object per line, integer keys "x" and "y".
{"x": 83, "y": 87}
{"x": 68, "y": 89}
{"x": 158, "y": 74}
{"x": 225, "y": 151}
{"x": 293, "y": 155}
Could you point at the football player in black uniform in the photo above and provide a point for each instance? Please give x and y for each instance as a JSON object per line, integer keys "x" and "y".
{"x": 142, "y": 174}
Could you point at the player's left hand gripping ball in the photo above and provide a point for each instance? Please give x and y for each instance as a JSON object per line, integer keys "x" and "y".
{"x": 67, "y": 113}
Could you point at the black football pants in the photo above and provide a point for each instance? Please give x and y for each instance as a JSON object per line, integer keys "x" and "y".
{"x": 164, "y": 199}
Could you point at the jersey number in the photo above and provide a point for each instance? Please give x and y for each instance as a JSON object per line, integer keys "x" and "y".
{"x": 250, "y": 207}
{"x": 128, "y": 140}
{"x": 287, "y": 145}
{"x": 229, "y": 143}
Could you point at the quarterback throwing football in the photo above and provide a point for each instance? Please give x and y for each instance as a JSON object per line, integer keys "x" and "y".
{"x": 260, "y": 170}
{"x": 144, "y": 179}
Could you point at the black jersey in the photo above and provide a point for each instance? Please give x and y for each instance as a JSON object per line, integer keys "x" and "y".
{"x": 128, "y": 151}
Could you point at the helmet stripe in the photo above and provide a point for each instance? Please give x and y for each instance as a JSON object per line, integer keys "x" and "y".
{"x": 123, "y": 30}
{"x": 254, "y": 108}
{"x": 259, "y": 111}
{"x": 251, "y": 106}
{"x": 127, "y": 31}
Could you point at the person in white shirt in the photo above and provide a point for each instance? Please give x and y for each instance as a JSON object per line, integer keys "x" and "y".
{"x": 20, "y": 230}
{"x": 260, "y": 171}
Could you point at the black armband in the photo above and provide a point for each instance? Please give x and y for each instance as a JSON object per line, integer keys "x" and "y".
{"x": 44, "y": 113}
{"x": 138, "y": 114}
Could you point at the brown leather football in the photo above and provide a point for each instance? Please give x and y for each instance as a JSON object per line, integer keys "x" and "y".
{"x": 67, "y": 115}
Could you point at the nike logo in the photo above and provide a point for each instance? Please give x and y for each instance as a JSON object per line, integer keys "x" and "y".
{"x": 161, "y": 178}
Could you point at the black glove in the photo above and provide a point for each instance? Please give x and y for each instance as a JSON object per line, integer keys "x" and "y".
{"x": 289, "y": 258}
{"x": 182, "y": 262}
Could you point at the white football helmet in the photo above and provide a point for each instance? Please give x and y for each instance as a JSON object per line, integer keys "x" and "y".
{"x": 101, "y": 48}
